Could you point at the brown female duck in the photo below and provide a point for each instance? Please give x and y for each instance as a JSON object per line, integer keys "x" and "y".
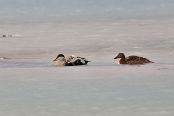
{"x": 131, "y": 59}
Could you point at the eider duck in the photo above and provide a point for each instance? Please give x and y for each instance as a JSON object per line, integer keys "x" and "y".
{"x": 70, "y": 61}
{"x": 131, "y": 59}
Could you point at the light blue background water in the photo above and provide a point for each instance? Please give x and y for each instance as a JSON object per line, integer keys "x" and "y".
{"x": 52, "y": 10}
{"x": 31, "y": 86}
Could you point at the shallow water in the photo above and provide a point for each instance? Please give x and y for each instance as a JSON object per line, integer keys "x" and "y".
{"x": 31, "y": 85}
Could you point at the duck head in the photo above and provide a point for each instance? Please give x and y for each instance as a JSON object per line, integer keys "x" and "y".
{"x": 120, "y": 55}
{"x": 59, "y": 56}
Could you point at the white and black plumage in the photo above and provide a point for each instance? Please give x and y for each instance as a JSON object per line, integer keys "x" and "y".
{"x": 70, "y": 61}
{"x": 75, "y": 60}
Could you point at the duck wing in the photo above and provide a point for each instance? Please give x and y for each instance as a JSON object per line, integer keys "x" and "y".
{"x": 72, "y": 61}
{"x": 132, "y": 58}
{"x": 81, "y": 61}
{"x": 137, "y": 60}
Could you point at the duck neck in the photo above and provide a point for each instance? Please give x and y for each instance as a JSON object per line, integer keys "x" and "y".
{"x": 123, "y": 60}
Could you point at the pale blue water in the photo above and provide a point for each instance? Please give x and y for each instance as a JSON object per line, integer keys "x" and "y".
{"x": 96, "y": 29}
{"x": 18, "y": 11}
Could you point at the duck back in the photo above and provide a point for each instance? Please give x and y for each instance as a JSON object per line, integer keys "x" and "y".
{"x": 137, "y": 60}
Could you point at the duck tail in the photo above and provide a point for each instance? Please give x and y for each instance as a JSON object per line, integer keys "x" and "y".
{"x": 86, "y": 61}
{"x": 152, "y": 62}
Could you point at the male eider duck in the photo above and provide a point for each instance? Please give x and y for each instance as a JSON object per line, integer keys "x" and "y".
{"x": 70, "y": 61}
{"x": 131, "y": 59}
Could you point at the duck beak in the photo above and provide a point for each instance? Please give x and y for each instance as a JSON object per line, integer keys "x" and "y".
{"x": 116, "y": 57}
